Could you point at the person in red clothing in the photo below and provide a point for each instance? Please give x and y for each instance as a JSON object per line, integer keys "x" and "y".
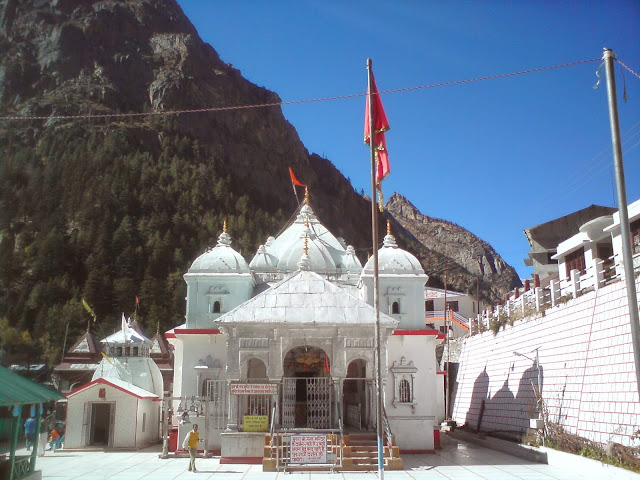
{"x": 54, "y": 438}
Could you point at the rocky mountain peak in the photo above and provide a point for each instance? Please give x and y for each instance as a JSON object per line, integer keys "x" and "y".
{"x": 468, "y": 254}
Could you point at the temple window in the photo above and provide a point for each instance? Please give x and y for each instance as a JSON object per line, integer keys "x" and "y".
{"x": 395, "y": 308}
{"x": 216, "y": 307}
{"x": 405, "y": 391}
{"x": 404, "y": 376}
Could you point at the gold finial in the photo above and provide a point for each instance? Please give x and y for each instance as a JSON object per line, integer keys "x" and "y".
{"x": 306, "y": 195}
{"x": 224, "y": 225}
{"x": 388, "y": 227}
{"x": 306, "y": 244}
{"x": 306, "y": 221}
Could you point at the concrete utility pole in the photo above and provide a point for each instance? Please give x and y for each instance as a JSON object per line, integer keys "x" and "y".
{"x": 625, "y": 231}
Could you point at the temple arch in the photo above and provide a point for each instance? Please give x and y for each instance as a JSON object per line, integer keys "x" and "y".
{"x": 354, "y": 395}
{"x": 307, "y": 388}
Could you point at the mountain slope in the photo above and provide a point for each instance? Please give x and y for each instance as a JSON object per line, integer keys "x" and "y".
{"x": 467, "y": 257}
{"x": 110, "y": 208}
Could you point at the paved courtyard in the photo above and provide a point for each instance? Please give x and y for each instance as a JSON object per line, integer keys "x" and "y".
{"x": 456, "y": 460}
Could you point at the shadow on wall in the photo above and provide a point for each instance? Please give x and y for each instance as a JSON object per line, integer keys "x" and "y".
{"x": 503, "y": 413}
{"x": 479, "y": 397}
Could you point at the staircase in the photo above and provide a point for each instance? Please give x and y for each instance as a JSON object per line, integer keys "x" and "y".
{"x": 360, "y": 453}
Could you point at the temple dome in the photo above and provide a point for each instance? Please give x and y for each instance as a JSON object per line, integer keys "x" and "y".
{"x": 326, "y": 254}
{"x": 394, "y": 260}
{"x": 264, "y": 261}
{"x": 220, "y": 259}
{"x": 317, "y": 256}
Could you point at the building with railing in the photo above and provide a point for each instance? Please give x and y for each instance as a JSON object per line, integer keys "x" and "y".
{"x": 586, "y": 261}
{"x": 559, "y": 358}
{"x": 544, "y": 238}
{"x": 460, "y": 306}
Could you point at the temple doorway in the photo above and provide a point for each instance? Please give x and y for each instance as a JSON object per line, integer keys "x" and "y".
{"x": 306, "y": 389}
{"x": 354, "y": 395}
{"x": 100, "y": 433}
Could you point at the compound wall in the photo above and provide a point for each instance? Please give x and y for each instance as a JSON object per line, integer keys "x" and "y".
{"x": 586, "y": 370}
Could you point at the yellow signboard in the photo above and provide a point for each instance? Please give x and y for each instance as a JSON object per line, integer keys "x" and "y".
{"x": 256, "y": 423}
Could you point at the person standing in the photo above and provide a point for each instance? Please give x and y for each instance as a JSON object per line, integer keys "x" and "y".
{"x": 190, "y": 442}
{"x": 30, "y": 431}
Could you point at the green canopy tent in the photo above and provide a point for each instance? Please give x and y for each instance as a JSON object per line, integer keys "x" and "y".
{"x": 16, "y": 391}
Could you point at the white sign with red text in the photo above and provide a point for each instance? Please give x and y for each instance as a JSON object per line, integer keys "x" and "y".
{"x": 308, "y": 449}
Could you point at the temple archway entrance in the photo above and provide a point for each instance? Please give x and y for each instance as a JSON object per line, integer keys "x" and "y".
{"x": 306, "y": 388}
{"x": 354, "y": 395}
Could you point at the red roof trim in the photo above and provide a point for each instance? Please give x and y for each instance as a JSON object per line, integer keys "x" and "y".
{"x": 416, "y": 332}
{"x": 107, "y": 382}
{"x": 441, "y": 373}
{"x": 192, "y": 331}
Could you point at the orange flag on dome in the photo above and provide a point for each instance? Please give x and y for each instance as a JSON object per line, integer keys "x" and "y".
{"x": 294, "y": 180}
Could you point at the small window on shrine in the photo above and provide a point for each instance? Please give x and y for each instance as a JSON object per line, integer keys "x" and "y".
{"x": 216, "y": 307}
{"x": 134, "y": 352}
{"x": 395, "y": 308}
{"x": 405, "y": 391}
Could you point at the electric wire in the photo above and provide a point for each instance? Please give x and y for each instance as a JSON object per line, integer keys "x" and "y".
{"x": 625, "y": 66}
{"x": 291, "y": 102}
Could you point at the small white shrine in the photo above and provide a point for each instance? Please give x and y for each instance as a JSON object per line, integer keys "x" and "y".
{"x": 287, "y": 342}
{"x": 121, "y": 406}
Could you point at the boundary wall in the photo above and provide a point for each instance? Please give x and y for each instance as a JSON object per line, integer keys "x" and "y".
{"x": 586, "y": 370}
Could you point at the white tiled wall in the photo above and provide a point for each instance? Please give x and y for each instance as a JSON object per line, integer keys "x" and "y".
{"x": 588, "y": 374}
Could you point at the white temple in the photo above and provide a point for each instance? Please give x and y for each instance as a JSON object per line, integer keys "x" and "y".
{"x": 290, "y": 337}
{"x": 120, "y": 406}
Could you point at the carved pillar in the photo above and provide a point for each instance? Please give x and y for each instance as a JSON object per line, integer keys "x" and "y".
{"x": 232, "y": 420}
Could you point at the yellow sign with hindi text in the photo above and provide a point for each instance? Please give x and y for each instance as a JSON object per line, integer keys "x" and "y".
{"x": 256, "y": 423}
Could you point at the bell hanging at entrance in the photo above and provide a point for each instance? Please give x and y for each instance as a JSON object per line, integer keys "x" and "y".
{"x": 185, "y": 418}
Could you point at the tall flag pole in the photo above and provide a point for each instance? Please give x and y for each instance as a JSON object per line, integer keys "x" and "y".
{"x": 375, "y": 113}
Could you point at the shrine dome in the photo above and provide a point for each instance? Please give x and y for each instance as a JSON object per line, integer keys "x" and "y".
{"x": 394, "y": 260}
{"x": 326, "y": 254}
{"x": 220, "y": 259}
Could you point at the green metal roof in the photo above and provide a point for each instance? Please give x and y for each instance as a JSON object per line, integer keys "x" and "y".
{"x": 15, "y": 389}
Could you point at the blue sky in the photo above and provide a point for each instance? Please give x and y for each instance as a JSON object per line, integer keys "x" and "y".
{"x": 495, "y": 156}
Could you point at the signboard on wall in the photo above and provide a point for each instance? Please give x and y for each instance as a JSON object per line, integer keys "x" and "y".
{"x": 255, "y": 423}
{"x": 254, "y": 389}
{"x": 307, "y": 449}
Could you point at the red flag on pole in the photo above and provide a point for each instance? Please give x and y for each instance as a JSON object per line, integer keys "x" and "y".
{"x": 380, "y": 125}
